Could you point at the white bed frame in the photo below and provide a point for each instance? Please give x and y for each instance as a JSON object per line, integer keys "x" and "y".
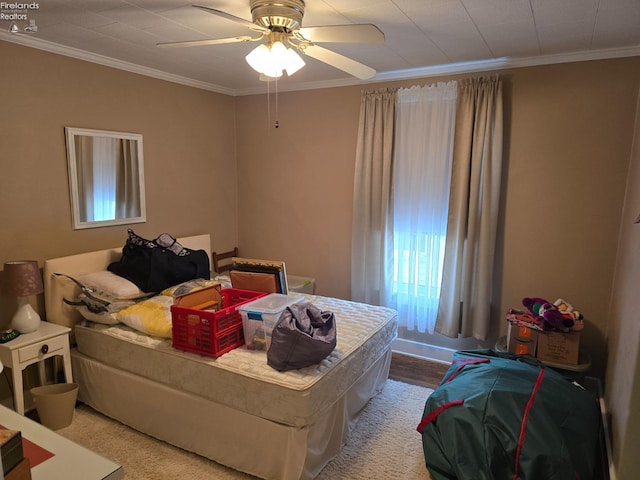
{"x": 237, "y": 439}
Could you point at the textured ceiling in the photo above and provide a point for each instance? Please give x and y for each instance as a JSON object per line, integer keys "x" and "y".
{"x": 421, "y": 36}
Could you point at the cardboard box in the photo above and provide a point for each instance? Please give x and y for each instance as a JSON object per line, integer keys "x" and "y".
{"x": 559, "y": 348}
{"x": 208, "y": 298}
{"x": 21, "y": 471}
{"x": 522, "y": 340}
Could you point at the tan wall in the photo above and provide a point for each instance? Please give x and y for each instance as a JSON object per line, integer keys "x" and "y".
{"x": 569, "y": 130}
{"x": 623, "y": 372}
{"x": 189, "y": 155}
{"x": 571, "y": 133}
{"x": 296, "y": 182}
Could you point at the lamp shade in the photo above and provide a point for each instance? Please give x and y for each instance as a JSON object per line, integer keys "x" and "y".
{"x": 24, "y": 277}
{"x": 294, "y": 62}
{"x": 25, "y": 280}
{"x": 272, "y": 59}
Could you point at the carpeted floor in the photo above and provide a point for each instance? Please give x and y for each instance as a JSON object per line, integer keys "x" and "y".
{"x": 384, "y": 444}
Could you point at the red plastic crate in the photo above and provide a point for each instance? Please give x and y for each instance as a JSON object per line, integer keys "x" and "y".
{"x": 210, "y": 332}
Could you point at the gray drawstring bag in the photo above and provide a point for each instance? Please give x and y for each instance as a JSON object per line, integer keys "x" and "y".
{"x": 302, "y": 336}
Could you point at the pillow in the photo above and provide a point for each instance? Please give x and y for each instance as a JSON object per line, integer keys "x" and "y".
{"x": 106, "y": 314}
{"x": 112, "y": 285}
{"x": 91, "y": 303}
{"x": 106, "y": 318}
{"x": 152, "y": 316}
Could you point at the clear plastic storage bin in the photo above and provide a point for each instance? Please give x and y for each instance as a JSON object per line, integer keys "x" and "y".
{"x": 260, "y": 316}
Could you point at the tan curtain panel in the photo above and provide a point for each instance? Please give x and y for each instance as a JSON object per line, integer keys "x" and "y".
{"x": 474, "y": 202}
{"x": 373, "y": 195}
{"x": 84, "y": 171}
{"x": 127, "y": 179}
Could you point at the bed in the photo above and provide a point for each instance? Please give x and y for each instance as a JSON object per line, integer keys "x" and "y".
{"x": 235, "y": 410}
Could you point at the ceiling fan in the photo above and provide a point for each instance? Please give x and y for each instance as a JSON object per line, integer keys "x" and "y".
{"x": 279, "y": 23}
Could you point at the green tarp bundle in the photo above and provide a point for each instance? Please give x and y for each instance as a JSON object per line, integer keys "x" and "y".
{"x": 500, "y": 416}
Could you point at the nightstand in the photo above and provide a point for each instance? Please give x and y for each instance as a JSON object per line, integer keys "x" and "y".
{"x": 29, "y": 348}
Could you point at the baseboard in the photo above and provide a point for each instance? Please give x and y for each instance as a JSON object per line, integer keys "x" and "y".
{"x": 433, "y": 353}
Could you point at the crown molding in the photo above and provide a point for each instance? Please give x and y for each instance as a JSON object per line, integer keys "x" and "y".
{"x": 423, "y": 72}
{"x": 463, "y": 67}
{"x": 506, "y": 63}
{"x": 33, "y": 42}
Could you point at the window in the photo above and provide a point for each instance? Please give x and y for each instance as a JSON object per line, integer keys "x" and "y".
{"x": 425, "y": 121}
{"x": 104, "y": 179}
{"x": 404, "y": 166}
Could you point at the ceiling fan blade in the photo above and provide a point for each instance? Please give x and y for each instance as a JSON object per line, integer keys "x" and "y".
{"x": 233, "y": 18}
{"x": 212, "y": 41}
{"x": 340, "y": 62}
{"x": 359, "y": 33}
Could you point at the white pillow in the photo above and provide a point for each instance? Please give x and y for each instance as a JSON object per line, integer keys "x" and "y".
{"x": 152, "y": 316}
{"x": 107, "y": 318}
{"x": 112, "y": 285}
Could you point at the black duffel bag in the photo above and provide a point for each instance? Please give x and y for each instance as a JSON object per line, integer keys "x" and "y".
{"x": 302, "y": 336}
{"x": 154, "y": 265}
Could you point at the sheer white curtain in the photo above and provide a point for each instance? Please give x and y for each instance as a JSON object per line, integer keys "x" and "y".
{"x": 425, "y": 120}
{"x": 372, "y": 195}
{"x": 104, "y": 179}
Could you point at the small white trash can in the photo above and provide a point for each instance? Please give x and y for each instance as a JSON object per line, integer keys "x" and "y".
{"x": 55, "y": 404}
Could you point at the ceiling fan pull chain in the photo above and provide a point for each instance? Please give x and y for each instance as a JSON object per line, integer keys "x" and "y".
{"x": 268, "y": 102}
{"x": 276, "y": 124}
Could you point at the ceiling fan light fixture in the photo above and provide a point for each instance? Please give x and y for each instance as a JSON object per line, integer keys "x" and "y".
{"x": 258, "y": 58}
{"x": 294, "y": 62}
{"x": 278, "y": 54}
{"x": 262, "y": 61}
{"x": 279, "y": 22}
{"x": 272, "y": 60}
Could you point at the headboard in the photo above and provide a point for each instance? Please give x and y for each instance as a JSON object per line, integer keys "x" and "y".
{"x": 57, "y": 288}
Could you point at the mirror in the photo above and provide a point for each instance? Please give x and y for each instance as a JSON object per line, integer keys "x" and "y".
{"x": 106, "y": 178}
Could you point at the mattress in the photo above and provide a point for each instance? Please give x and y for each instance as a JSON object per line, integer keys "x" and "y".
{"x": 241, "y": 378}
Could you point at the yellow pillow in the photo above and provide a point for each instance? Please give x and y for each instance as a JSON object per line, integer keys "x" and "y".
{"x": 152, "y": 316}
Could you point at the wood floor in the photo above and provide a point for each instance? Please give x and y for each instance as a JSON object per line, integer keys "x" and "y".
{"x": 417, "y": 371}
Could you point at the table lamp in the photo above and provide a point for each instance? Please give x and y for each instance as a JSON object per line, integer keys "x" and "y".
{"x": 25, "y": 280}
